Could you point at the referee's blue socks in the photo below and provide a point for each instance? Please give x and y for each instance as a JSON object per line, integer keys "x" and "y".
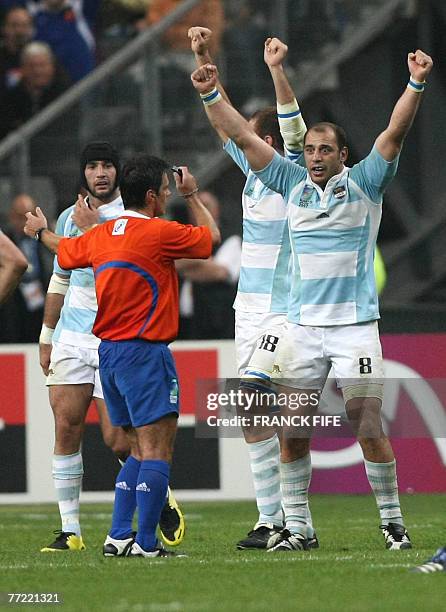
{"x": 151, "y": 492}
{"x": 125, "y": 499}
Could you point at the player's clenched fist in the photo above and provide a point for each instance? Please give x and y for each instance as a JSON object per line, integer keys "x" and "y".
{"x": 275, "y": 52}
{"x": 204, "y": 79}
{"x": 420, "y": 64}
{"x": 200, "y": 39}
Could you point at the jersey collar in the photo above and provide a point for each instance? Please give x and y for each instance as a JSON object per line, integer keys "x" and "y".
{"x": 134, "y": 213}
{"x": 110, "y": 205}
{"x": 334, "y": 179}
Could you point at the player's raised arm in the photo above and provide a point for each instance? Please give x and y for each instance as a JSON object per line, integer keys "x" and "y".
{"x": 225, "y": 118}
{"x": 390, "y": 142}
{"x": 292, "y": 125}
{"x": 13, "y": 265}
{"x": 200, "y": 44}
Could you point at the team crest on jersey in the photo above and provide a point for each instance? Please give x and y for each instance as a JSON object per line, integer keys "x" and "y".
{"x": 306, "y": 196}
{"x": 119, "y": 227}
{"x": 340, "y": 192}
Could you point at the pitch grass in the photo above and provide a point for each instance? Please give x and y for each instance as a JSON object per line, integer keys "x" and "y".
{"x": 350, "y": 572}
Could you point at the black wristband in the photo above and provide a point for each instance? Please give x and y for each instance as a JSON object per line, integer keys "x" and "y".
{"x": 38, "y": 234}
{"x": 193, "y": 192}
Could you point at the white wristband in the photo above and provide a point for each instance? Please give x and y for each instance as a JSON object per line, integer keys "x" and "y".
{"x": 415, "y": 85}
{"x": 211, "y": 97}
{"x": 46, "y": 335}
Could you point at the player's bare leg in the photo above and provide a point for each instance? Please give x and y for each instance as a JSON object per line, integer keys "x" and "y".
{"x": 114, "y": 437}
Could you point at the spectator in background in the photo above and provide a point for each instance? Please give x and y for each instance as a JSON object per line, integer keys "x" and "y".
{"x": 175, "y": 62}
{"x": 22, "y": 315}
{"x": 123, "y": 17}
{"x": 208, "y": 13}
{"x": 5, "y": 5}
{"x": 16, "y": 32}
{"x": 209, "y": 286}
{"x": 41, "y": 83}
{"x": 64, "y": 27}
{"x": 247, "y": 29}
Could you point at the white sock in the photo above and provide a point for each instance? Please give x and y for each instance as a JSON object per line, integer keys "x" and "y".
{"x": 67, "y": 476}
{"x": 264, "y": 459}
{"x": 382, "y": 479}
{"x": 295, "y": 478}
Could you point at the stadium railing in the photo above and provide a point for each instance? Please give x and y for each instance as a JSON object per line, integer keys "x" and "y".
{"x": 127, "y": 99}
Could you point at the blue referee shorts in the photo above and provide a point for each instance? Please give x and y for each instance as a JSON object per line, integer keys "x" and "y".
{"x": 139, "y": 381}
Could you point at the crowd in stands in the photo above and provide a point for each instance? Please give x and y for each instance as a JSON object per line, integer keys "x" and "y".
{"x": 45, "y": 47}
{"x": 74, "y": 31}
{"x": 48, "y": 45}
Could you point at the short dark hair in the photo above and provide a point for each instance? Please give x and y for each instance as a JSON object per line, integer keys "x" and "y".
{"x": 266, "y": 123}
{"x": 139, "y": 174}
{"x": 323, "y": 126}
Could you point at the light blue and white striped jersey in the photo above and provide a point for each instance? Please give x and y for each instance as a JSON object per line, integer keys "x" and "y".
{"x": 80, "y": 306}
{"x": 264, "y": 282}
{"x": 333, "y": 237}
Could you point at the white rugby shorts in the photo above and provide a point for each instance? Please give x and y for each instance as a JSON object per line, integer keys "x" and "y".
{"x": 307, "y": 353}
{"x": 249, "y": 328}
{"x": 74, "y": 365}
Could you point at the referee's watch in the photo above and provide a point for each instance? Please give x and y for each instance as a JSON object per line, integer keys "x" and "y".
{"x": 38, "y": 234}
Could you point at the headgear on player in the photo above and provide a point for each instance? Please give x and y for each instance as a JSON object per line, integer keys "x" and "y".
{"x": 99, "y": 150}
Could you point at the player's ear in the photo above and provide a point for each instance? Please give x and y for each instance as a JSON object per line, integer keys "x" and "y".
{"x": 149, "y": 197}
{"x": 344, "y": 154}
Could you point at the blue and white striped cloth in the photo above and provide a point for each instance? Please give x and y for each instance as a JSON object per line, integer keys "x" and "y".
{"x": 264, "y": 282}
{"x": 80, "y": 305}
{"x": 333, "y": 237}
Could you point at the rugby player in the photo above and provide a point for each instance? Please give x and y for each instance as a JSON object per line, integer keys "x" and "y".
{"x": 333, "y": 215}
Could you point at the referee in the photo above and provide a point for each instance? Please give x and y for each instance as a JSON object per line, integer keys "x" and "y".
{"x": 137, "y": 291}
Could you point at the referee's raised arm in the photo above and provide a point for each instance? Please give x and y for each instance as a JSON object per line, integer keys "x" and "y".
{"x": 187, "y": 186}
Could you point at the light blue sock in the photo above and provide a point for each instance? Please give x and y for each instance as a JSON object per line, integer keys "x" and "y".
{"x": 295, "y": 478}
{"x": 382, "y": 479}
{"x": 264, "y": 458}
{"x": 67, "y": 475}
{"x": 151, "y": 491}
{"x": 125, "y": 499}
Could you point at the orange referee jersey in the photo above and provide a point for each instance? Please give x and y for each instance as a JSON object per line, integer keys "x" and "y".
{"x": 136, "y": 282}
